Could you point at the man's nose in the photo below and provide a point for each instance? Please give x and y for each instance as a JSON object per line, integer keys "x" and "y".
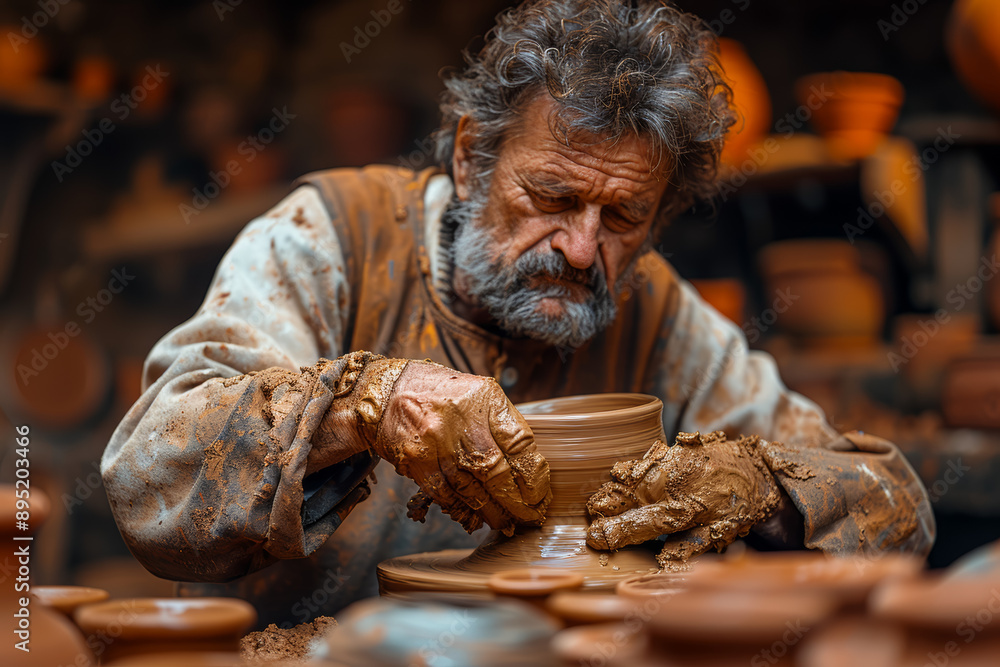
{"x": 577, "y": 241}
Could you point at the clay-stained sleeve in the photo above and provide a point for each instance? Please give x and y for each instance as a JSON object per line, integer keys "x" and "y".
{"x": 204, "y": 473}
{"x": 709, "y": 380}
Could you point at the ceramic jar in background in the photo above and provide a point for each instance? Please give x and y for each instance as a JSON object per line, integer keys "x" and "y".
{"x": 970, "y": 395}
{"x": 971, "y": 43}
{"x": 831, "y": 301}
{"x": 751, "y": 102}
{"x": 855, "y": 111}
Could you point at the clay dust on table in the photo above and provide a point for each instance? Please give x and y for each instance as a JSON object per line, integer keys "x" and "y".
{"x": 274, "y": 644}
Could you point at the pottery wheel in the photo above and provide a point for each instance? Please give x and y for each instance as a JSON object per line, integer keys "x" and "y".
{"x": 581, "y": 437}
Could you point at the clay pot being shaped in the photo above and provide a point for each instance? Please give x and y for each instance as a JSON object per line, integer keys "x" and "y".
{"x": 148, "y": 626}
{"x": 51, "y": 638}
{"x": 581, "y": 437}
{"x": 859, "y": 109}
{"x": 751, "y": 102}
{"x": 971, "y": 42}
{"x": 835, "y": 303}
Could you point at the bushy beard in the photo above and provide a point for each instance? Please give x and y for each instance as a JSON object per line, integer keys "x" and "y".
{"x": 510, "y": 291}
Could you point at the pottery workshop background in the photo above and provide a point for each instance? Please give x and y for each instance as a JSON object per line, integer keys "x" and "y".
{"x": 139, "y": 138}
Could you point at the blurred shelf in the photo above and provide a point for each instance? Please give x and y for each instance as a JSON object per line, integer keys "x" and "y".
{"x": 162, "y": 229}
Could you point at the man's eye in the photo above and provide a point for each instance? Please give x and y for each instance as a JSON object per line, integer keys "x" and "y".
{"x": 551, "y": 204}
{"x": 618, "y": 223}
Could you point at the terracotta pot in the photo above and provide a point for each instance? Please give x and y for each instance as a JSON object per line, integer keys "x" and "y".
{"x": 833, "y": 303}
{"x": 927, "y": 347}
{"x": 605, "y": 644}
{"x": 971, "y": 42}
{"x": 93, "y": 78}
{"x": 66, "y": 599}
{"x": 141, "y": 626}
{"x": 860, "y": 110}
{"x": 842, "y": 581}
{"x": 751, "y": 102}
{"x": 52, "y": 639}
{"x": 654, "y": 585}
{"x": 60, "y": 380}
{"x": 726, "y": 295}
{"x": 578, "y": 608}
{"x": 853, "y": 640}
{"x": 581, "y": 437}
{"x": 947, "y": 621}
{"x": 733, "y": 628}
{"x": 970, "y": 397}
{"x": 21, "y": 63}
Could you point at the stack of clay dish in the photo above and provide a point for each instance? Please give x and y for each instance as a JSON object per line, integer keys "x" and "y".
{"x": 52, "y": 639}
{"x": 835, "y": 305}
{"x": 66, "y": 599}
{"x": 151, "y": 626}
{"x": 971, "y": 42}
{"x": 947, "y": 621}
{"x": 581, "y": 437}
{"x": 860, "y": 110}
{"x": 854, "y": 640}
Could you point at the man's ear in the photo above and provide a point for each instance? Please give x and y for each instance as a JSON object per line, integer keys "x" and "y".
{"x": 461, "y": 166}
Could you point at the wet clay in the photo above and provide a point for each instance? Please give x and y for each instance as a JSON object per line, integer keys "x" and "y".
{"x": 581, "y": 437}
{"x": 705, "y": 492}
{"x": 286, "y": 644}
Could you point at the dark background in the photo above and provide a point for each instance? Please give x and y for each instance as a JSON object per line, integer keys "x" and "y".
{"x": 231, "y": 66}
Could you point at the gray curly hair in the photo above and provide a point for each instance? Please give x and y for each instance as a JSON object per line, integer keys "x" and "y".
{"x": 613, "y": 68}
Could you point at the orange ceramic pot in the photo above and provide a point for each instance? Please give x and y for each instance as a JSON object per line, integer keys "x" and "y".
{"x": 852, "y": 110}
{"x": 51, "y": 638}
{"x": 66, "y": 599}
{"x": 947, "y": 621}
{"x": 726, "y": 295}
{"x": 831, "y": 301}
{"x": 971, "y": 42}
{"x": 142, "y": 626}
{"x": 751, "y": 102}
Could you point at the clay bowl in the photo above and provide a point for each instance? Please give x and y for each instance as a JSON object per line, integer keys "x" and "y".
{"x": 853, "y": 640}
{"x": 165, "y": 625}
{"x": 591, "y": 644}
{"x": 581, "y": 437}
{"x": 836, "y": 303}
{"x": 66, "y": 599}
{"x": 859, "y": 111}
{"x": 653, "y": 585}
{"x": 951, "y": 617}
{"x": 730, "y": 628}
{"x": 841, "y": 580}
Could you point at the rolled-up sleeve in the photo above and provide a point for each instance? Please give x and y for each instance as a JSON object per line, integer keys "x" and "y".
{"x": 206, "y": 472}
{"x": 712, "y": 381}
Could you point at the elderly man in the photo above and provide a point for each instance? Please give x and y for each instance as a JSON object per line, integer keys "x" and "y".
{"x": 523, "y": 268}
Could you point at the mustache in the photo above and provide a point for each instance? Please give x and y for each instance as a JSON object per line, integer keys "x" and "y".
{"x": 554, "y": 265}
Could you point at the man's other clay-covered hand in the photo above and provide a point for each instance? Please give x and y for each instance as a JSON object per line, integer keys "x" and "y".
{"x": 703, "y": 492}
{"x": 455, "y": 434}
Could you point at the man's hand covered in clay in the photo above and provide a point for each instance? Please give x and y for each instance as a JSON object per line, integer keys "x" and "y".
{"x": 703, "y": 492}
{"x": 456, "y": 435}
